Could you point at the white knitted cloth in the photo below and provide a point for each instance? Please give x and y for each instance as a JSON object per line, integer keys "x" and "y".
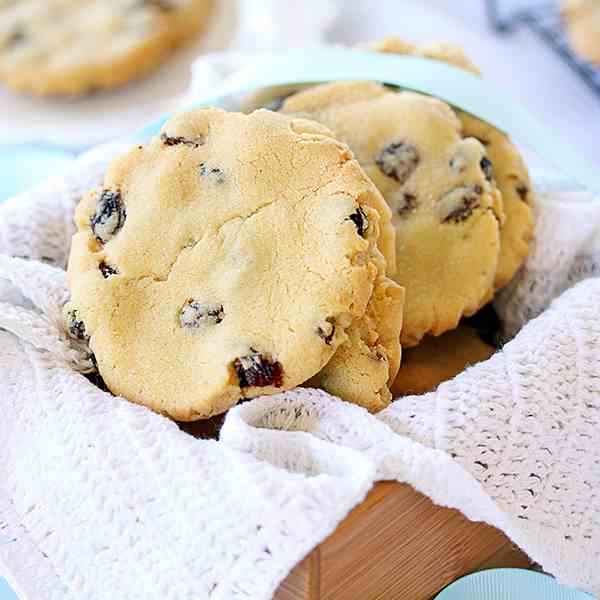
{"x": 101, "y": 499}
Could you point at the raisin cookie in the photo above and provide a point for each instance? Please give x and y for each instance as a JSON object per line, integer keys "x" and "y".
{"x": 446, "y": 208}
{"x": 70, "y": 47}
{"x": 504, "y": 163}
{"x": 230, "y": 257}
{"x": 439, "y": 359}
{"x": 364, "y": 367}
{"x": 582, "y": 22}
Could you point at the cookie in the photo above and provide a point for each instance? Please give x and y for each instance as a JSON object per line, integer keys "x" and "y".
{"x": 439, "y": 359}
{"x": 449, "y": 53}
{"x": 227, "y": 259}
{"x": 582, "y": 23}
{"x": 364, "y": 367}
{"x": 505, "y": 164}
{"x": 446, "y": 209}
{"x": 71, "y": 47}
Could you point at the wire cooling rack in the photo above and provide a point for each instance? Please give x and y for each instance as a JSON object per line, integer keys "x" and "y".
{"x": 545, "y": 20}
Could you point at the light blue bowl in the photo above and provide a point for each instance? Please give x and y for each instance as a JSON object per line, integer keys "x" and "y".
{"x": 6, "y": 592}
{"x": 509, "y": 584}
{"x": 23, "y": 166}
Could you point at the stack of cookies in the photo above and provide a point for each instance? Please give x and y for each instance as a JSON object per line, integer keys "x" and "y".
{"x": 239, "y": 255}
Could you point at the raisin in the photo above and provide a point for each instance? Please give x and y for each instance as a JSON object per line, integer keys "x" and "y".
{"x": 458, "y": 163}
{"x": 107, "y": 270}
{"x": 109, "y": 217}
{"x": 16, "y": 37}
{"x": 193, "y": 314}
{"x": 327, "y": 331}
{"x": 162, "y": 5}
{"x": 406, "y": 204}
{"x": 168, "y": 140}
{"x": 458, "y": 204}
{"x": 214, "y": 174}
{"x": 398, "y": 161}
{"x": 486, "y": 166}
{"x": 256, "y": 370}
{"x": 276, "y": 104}
{"x": 76, "y": 326}
{"x": 522, "y": 190}
{"x": 360, "y": 220}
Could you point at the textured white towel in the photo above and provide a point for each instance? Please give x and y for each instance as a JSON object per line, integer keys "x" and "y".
{"x": 101, "y": 499}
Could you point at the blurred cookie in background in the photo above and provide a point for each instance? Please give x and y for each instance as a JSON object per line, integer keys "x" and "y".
{"x": 74, "y": 47}
{"x": 582, "y": 23}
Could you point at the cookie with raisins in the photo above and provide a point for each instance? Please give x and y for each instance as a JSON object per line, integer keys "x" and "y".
{"x": 446, "y": 209}
{"x": 502, "y": 163}
{"x": 72, "y": 47}
{"x": 230, "y": 257}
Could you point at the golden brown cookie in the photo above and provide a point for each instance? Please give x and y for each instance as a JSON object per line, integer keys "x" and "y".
{"x": 232, "y": 257}
{"x": 446, "y": 208}
{"x": 71, "y": 47}
{"x": 505, "y": 163}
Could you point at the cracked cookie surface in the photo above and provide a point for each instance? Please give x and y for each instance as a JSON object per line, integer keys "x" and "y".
{"x": 196, "y": 289}
{"x": 446, "y": 211}
{"x": 71, "y": 47}
{"x": 504, "y": 163}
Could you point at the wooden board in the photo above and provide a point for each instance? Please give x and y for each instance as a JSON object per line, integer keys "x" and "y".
{"x": 397, "y": 545}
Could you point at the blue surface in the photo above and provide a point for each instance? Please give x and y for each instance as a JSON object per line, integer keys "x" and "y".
{"x": 509, "y": 584}
{"x": 23, "y": 166}
{"x": 5, "y": 592}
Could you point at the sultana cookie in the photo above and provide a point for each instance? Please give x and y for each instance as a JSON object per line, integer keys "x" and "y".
{"x": 70, "y": 47}
{"x": 364, "y": 367}
{"x": 582, "y": 22}
{"x": 446, "y": 208}
{"x": 227, "y": 259}
{"x": 505, "y": 163}
{"x": 439, "y": 359}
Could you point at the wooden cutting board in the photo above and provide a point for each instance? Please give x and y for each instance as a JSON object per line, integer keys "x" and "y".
{"x": 398, "y": 545}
